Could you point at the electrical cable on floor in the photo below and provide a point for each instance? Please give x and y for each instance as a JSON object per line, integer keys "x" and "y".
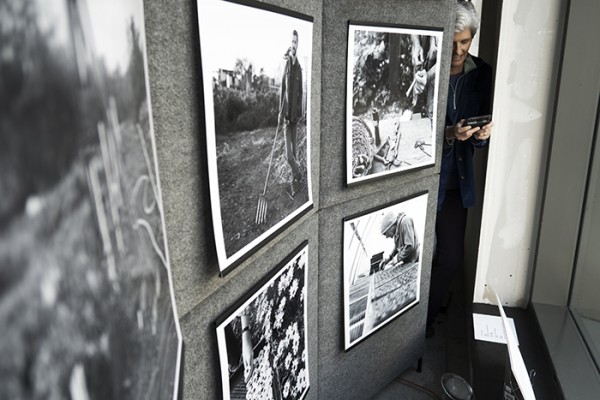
{"x": 418, "y": 387}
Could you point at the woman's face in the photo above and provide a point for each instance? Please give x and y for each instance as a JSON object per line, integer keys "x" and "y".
{"x": 460, "y": 49}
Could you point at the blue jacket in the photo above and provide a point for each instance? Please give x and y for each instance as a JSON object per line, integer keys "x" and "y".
{"x": 469, "y": 98}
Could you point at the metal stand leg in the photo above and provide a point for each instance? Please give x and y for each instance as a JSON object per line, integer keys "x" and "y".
{"x": 420, "y": 365}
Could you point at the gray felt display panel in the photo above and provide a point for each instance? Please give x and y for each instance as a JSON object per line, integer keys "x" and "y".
{"x": 366, "y": 368}
{"x": 176, "y": 89}
{"x": 174, "y": 58}
{"x": 202, "y": 296}
{"x": 336, "y": 16}
{"x": 202, "y": 374}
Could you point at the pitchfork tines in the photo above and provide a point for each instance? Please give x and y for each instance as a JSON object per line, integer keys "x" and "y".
{"x": 261, "y": 209}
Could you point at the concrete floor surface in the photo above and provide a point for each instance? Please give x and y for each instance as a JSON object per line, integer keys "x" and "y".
{"x": 446, "y": 351}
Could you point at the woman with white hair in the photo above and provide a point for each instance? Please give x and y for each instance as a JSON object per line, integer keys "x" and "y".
{"x": 469, "y": 95}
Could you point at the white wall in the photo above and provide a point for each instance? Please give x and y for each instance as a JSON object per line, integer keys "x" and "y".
{"x": 528, "y": 56}
{"x": 474, "y": 50}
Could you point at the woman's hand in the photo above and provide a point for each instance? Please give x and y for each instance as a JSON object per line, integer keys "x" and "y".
{"x": 462, "y": 133}
{"x": 485, "y": 132}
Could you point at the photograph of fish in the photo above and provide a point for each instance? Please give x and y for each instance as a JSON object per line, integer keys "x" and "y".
{"x": 87, "y": 309}
{"x": 256, "y": 72}
{"x": 382, "y": 265}
{"x": 262, "y": 344}
{"x": 391, "y": 100}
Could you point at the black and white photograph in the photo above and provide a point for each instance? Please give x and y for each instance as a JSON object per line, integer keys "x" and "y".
{"x": 382, "y": 265}
{"x": 87, "y": 308}
{"x": 256, "y": 73}
{"x": 262, "y": 343}
{"x": 391, "y": 100}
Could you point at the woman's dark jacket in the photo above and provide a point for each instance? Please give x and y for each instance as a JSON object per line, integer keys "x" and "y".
{"x": 469, "y": 98}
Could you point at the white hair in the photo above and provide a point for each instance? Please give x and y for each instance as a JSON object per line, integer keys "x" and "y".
{"x": 466, "y": 17}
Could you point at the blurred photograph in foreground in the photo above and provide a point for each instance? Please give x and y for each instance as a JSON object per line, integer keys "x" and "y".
{"x": 86, "y": 299}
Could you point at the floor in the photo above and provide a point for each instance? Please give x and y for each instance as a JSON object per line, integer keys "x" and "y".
{"x": 483, "y": 364}
{"x": 446, "y": 351}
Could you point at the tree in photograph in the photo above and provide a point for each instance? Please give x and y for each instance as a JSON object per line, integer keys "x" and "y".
{"x": 371, "y": 70}
{"x": 135, "y": 71}
{"x": 39, "y": 105}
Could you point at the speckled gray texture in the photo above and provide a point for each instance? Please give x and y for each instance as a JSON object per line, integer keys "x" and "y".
{"x": 202, "y": 296}
{"x": 336, "y": 16}
{"x": 174, "y": 54}
{"x": 366, "y": 368}
{"x": 202, "y": 375}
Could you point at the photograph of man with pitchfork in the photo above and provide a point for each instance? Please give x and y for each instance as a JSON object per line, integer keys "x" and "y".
{"x": 257, "y": 108}
{"x": 291, "y": 110}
